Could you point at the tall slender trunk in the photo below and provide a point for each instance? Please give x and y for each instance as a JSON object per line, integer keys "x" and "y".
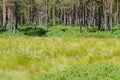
{"x": 54, "y": 15}
{"x": 46, "y": 3}
{"x": 99, "y": 18}
{"x": 83, "y": 14}
{"x": 16, "y": 18}
{"x": 65, "y": 20}
{"x": 110, "y": 16}
{"x": 80, "y": 16}
{"x": 72, "y": 15}
{"x": 86, "y": 17}
{"x": 104, "y": 14}
{"x": 77, "y": 14}
{"x": 4, "y": 14}
{"x": 9, "y": 19}
{"x": 59, "y": 14}
{"x": 116, "y": 12}
{"x": 93, "y": 16}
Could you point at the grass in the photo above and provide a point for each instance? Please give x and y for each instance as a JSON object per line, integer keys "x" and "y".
{"x": 59, "y": 53}
{"x": 96, "y": 71}
{"x": 54, "y": 58}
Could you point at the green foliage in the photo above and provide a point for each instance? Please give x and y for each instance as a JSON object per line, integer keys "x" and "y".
{"x": 68, "y": 31}
{"x": 70, "y": 1}
{"x": 60, "y": 31}
{"x": 32, "y": 31}
{"x": 95, "y": 71}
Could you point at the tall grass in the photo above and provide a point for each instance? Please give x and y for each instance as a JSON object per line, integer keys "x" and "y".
{"x": 59, "y": 53}
{"x": 34, "y": 57}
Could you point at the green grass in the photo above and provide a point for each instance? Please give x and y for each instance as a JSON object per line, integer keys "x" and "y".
{"x": 59, "y": 53}
{"x": 54, "y": 58}
{"x": 95, "y": 71}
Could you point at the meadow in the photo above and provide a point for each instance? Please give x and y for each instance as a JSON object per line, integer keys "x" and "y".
{"x": 59, "y": 54}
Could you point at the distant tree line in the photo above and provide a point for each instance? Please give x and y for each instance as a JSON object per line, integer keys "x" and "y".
{"x": 100, "y": 14}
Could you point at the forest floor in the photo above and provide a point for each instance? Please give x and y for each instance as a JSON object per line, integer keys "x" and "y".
{"x": 59, "y": 54}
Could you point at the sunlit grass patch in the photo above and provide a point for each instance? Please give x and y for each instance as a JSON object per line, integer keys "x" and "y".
{"x": 35, "y": 56}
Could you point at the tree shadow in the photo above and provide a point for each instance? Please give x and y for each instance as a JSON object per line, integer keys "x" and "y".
{"x": 1, "y": 30}
{"x": 64, "y": 30}
{"x": 33, "y": 32}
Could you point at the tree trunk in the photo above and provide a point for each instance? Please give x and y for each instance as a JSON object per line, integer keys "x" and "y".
{"x": 80, "y": 16}
{"x": 3, "y": 14}
{"x": 65, "y": 18}
{"x": 99, "y": 18}
{"x": 116, "y": 12}
{"x": 46, "y": 3}
{"x": 104, "y": 14}
{"x": 16, "y": 16}
{"x": 86, "y": 18}
{"x": 110, "y": 16}
{"x": 9, "y": 19}
{"x": 54, "y": 15}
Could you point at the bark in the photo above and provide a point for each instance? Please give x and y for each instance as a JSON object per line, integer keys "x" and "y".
{"x": 65, "y": 21}
{"x": 110, "y": 15}
{"x": 104, "y": 14}
{"x": 116, "y": 12}
{"x": 46, "y": 3}
{"x": 9, "y": 19}
{"x": 3, "y": 14}
{"x": 80, "y": 16}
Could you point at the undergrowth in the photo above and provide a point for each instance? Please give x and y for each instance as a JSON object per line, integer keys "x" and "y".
{"x": 60, "y": 31}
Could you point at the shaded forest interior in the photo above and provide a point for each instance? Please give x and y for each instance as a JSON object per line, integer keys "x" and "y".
{"x": 97, "y": 14}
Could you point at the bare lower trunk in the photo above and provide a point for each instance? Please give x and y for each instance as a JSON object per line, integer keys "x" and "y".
{"x": 4, "y": 14}
{"x": 9, "y": 19}
{"x": 110, "y": 21}
{"x": 46, "y": 13}
{"x": 104, "y": 15}
{"x": 65, "y": 17}
{"x": 116, "y": 12}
